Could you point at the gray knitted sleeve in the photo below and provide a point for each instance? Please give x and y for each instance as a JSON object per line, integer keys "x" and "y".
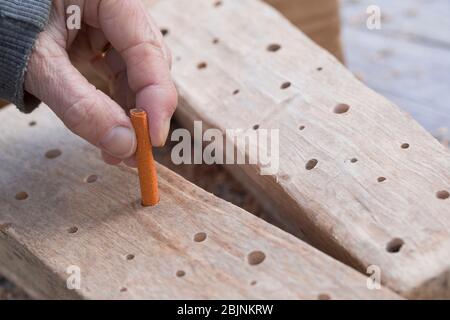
{"x": 20, "y": 23}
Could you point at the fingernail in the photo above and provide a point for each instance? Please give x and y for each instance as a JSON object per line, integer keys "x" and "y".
{"x": 119, "y": 142}
{"x": 164, "y": 133}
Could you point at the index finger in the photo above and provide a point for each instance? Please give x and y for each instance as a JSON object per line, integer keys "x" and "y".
{"x": 135, "y": 36}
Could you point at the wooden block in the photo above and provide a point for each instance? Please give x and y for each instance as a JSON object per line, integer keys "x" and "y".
{"x": 62, "y": 208}
{"x": 378, "y": 193}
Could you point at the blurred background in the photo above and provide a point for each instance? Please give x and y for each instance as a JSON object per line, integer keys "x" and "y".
{"x": 407, "y": 60}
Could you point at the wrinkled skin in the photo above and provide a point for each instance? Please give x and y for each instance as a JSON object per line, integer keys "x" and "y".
{"x": 122, "y": 43}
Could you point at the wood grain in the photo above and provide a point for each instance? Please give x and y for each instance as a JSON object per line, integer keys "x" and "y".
{"x": 73, "y": 210}
{"x": 357, "y": 210}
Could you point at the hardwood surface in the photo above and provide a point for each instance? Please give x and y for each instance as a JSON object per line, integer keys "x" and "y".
{"x": 374, "y": 197}
{"x": 421, "y": 29}
{"x": 62, "y": 206}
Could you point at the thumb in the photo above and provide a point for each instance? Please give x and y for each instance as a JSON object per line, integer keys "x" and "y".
{"x": 86, "y": 111}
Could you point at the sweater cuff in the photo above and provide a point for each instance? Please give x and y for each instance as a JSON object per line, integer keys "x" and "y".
{"x": 20, "y": 23}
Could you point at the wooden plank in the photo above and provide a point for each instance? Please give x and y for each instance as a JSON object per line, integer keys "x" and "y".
{"x": 318, "y": 19}
{"x": 68, "y": 217}
{"x": 388, "y": 199}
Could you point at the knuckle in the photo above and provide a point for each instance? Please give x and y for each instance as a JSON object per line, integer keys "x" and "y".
{"x": 110, "y": 9}
{"x": 144, "y": 50}
{"x": 80, "y": 115}
{"x": 152, "y": 48}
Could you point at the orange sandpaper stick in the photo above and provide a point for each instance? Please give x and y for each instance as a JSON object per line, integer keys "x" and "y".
{"x": 146, "y": 164}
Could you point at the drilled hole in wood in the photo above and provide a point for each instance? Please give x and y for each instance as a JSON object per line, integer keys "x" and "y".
{"x": 443, "y": 194}
{"x": 72, "y": 230}
{"x": 32, "y": 123}
{"x": 202, "y": 65}
{"x": 341, "y": 108}
{"x": 215, "y": 41}
{"x": 381, "y": 179}
{"x": 180, "y": 273}
{"x": 256, "y": 257}
{"x": 311, "y": 164}
{"x": 301, "y": 128}
{"x": 130, "y": 256}
{"x": 52, "y": 154}
{"x": 273, "y": 47}
{"x": 123, "y": 289}
{"x": 256, "y": 127}
{"x": 354, "y": 160}
{"x": 285, "y": 85}
{"x": 200, "y": 237}
{"x": 235, "y": 92}
{"x": 91, "y": 179}
{"x": 164, "y": 32}
{"x": 22, "y": 195}
{"x": 324, "y": 296}
{"x": 405, "y": 146}
{"x": 395, "y": 245}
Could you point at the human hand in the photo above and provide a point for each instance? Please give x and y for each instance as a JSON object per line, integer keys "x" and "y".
{"x": 124, "y": 46}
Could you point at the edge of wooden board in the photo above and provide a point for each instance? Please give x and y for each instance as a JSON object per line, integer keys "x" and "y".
{"x": 125, "y": 251}
{"x": 340, "y": 207}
